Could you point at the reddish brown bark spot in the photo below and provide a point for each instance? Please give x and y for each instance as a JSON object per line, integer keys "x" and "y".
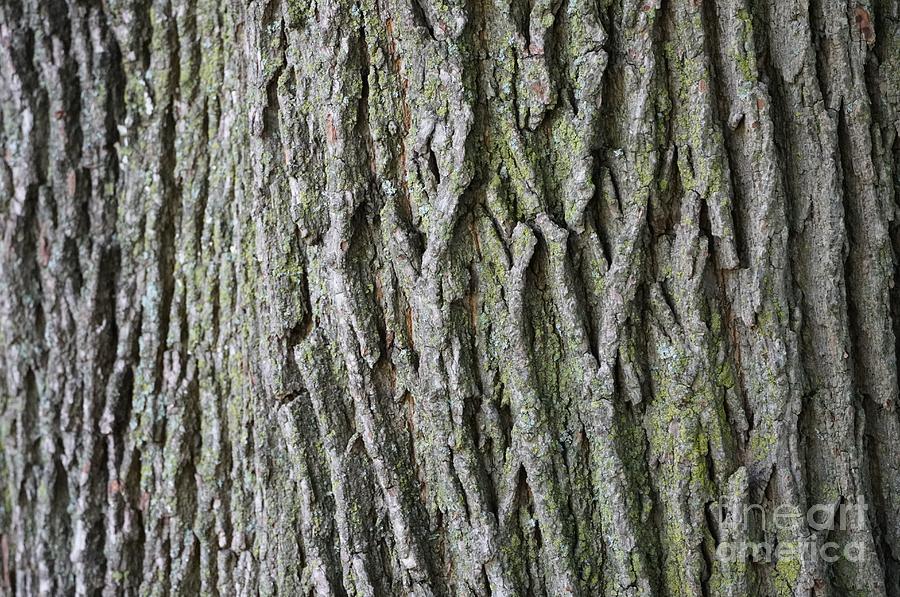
{"x": 864, "y": 23}
{"x": 71, "y": 180}
{"x": 4, "y": 555}
{"x": 392, "y": 41}
{"x": 330, "y": 130}
{"x": 409, "y": 326}
{"x": 44, "y": 252}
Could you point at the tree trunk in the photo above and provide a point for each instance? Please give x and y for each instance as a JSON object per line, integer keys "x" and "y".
{"x": 434, "y": 297}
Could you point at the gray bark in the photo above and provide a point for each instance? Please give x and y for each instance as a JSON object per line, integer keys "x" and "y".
{"x": 433, "y": 297}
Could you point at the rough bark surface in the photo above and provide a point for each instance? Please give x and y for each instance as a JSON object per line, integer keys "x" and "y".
{"x": 432, "y": 297}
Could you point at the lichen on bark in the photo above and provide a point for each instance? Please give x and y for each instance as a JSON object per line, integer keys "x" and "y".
{"x": 491, "y": 297}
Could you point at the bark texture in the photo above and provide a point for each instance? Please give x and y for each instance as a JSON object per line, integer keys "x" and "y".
{"x": 433, "y": 297}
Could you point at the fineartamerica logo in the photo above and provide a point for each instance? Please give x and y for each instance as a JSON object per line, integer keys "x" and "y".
{"x": 788, "y": 518}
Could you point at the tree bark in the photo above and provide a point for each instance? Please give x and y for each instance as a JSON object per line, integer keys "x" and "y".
{"x": 448, "y": 297}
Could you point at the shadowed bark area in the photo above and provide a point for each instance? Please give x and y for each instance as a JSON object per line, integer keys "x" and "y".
{"x": 448, "y": 297}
